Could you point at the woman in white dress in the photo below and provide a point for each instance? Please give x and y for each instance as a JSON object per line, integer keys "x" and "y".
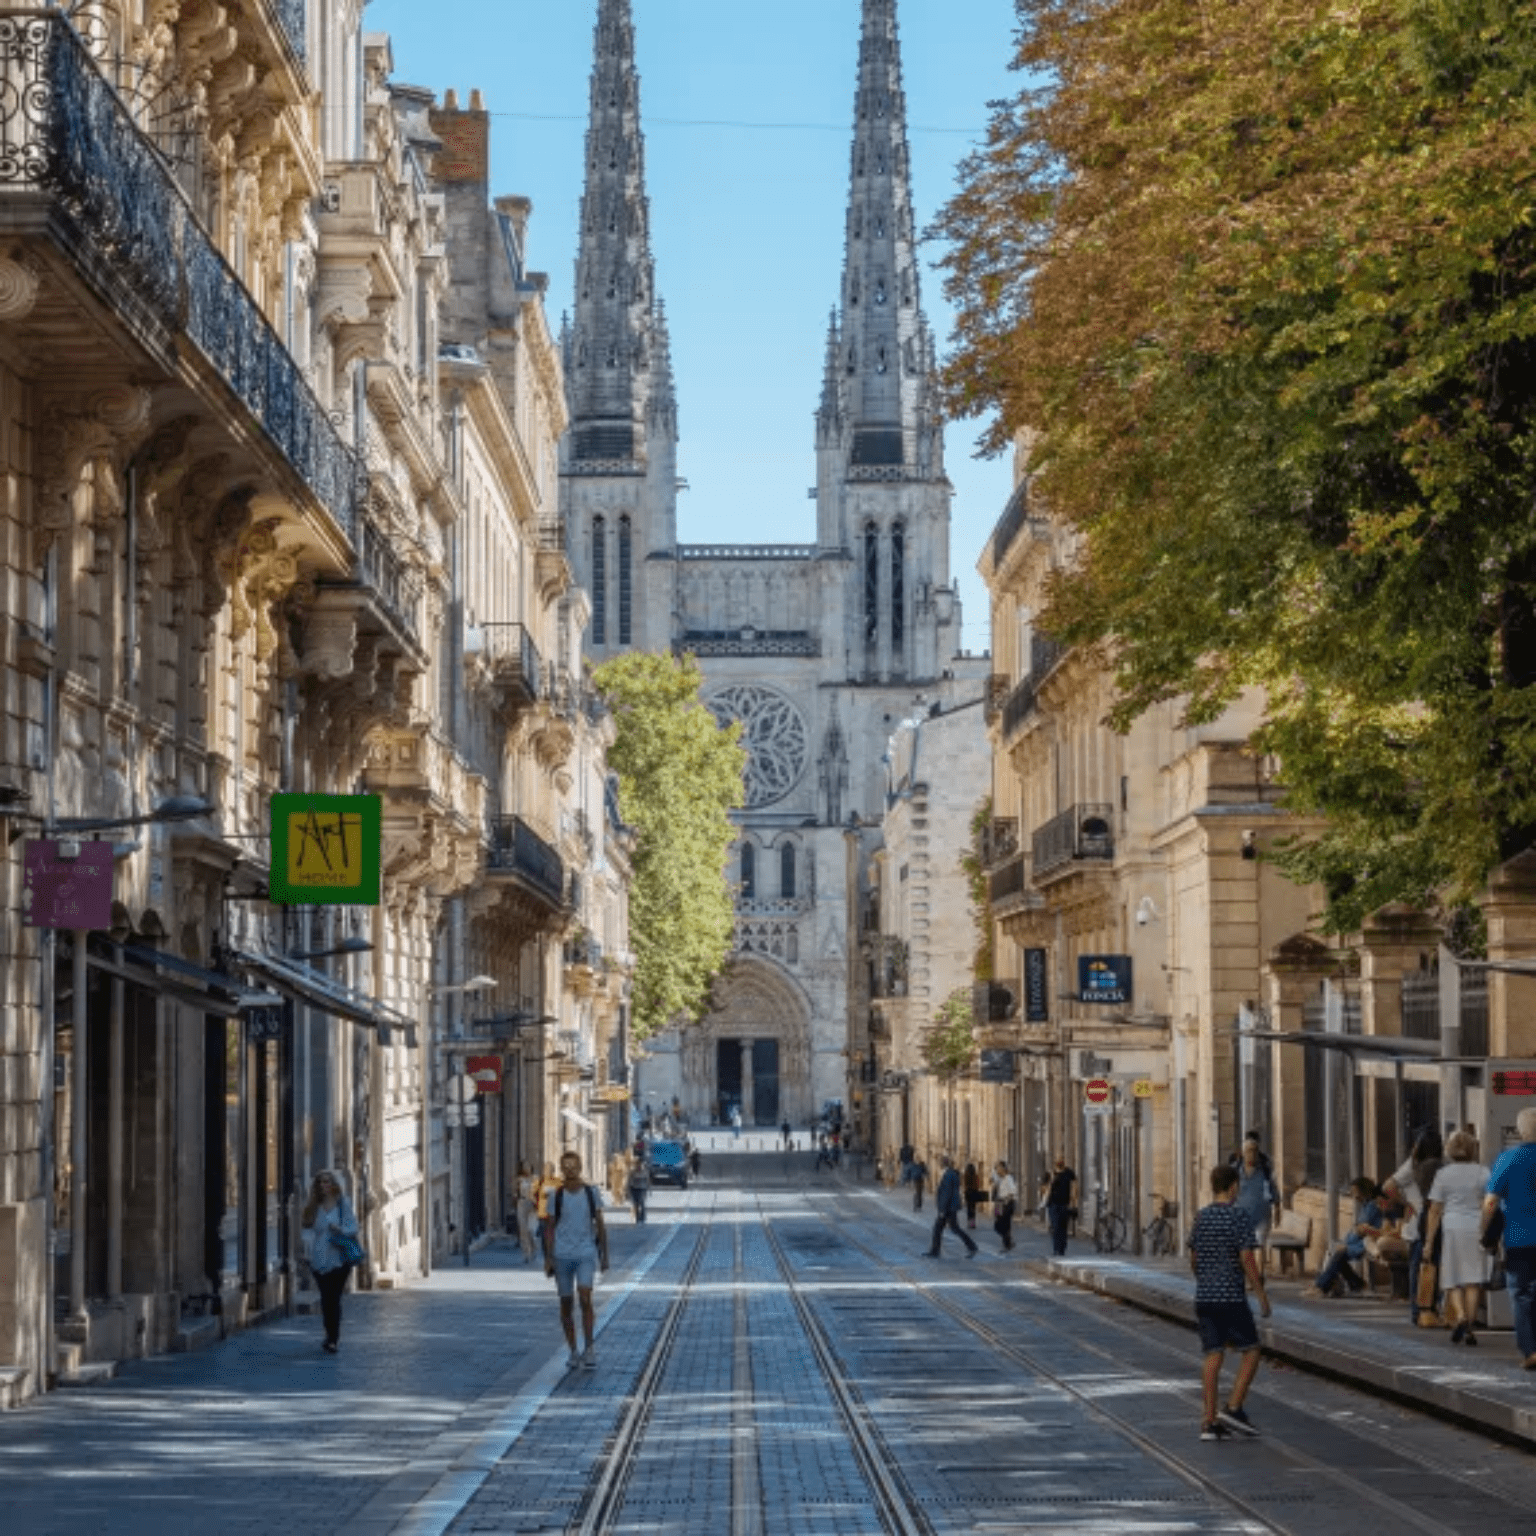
{"x": 1455, "y": 1208}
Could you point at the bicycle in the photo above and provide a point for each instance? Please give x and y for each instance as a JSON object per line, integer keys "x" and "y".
{"x": 1159, "y": 1237}
{"x": 1108, "y": 1232}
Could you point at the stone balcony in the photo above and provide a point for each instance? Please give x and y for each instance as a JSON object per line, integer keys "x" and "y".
{"x": 110, "y": 276}
{"x": 508, "y": 665}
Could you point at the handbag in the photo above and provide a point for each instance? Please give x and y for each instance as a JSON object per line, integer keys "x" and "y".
{"x": 348, "y": 1247}
{"x": 1429, "y": 1284}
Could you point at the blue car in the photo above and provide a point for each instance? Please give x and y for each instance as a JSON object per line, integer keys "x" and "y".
{"x": 669, "y": 1163}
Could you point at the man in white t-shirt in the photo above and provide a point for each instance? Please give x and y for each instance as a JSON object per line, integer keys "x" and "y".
{"x": 575, "y": 1246}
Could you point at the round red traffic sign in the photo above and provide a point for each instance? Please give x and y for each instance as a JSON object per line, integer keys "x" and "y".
{"x": 1097, "y": 1090}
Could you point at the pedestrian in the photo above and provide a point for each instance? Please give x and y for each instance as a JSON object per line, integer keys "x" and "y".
{"x": 735, "y": 1121}
{"x": 823, "y": 1155}
{"x": 1456, "y": 1208}
{"x": 549, "y": 1181}
{"x": 330, "y": 1232}
{"x": 906, "y": 1157}
{"x": 919, "y": 1183}
{"x": 1413, "y": 1182}
{"x": 1372, "y": 1219}
{"x": 639, "y": 1187}
{"x": 575, "y": 1246}
{"x": 1222, "y": 1249}
{"x": 1256, "y": 1193}
{"x": 947, "y": 1201}
{"x": 1005, "y": 1199}
{"x": 970, "y": 1184}
{"x": 1060, "y": 1203}
{"x": 1512, "y": 1188}
{"x": 787, "y": 1132}
{"x": 694, "y": 1160}
{"x": 527, "y": 1212}
{"x": 1263, "y": 1156}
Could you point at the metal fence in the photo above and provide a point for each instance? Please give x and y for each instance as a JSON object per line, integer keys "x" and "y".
{"x": 1080, "y": 832}
{"x": 1420, "y": 1005}
{"x": 1347, "y": 1100}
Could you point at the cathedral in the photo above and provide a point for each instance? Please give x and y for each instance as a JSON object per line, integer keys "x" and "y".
{"x": 819, "y": 649}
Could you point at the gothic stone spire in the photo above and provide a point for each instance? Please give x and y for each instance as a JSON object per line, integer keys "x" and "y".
{"x": 611, "y": 339}
{"x": 885, "y": 341}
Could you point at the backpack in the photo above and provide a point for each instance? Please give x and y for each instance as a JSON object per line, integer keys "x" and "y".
{"x": 560, "y": 1202}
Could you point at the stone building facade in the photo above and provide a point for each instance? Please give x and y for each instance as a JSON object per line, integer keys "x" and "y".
{"x": 818, "y": 648}
{"x": 276, "y": 513}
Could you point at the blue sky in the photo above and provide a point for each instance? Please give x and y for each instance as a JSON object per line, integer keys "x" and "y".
{"x": 747, "y": 222}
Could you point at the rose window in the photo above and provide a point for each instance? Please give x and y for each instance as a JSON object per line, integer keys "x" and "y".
{"x": 773, "y": 734}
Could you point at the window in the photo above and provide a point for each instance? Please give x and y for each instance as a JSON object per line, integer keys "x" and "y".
{"x": 787, "y": 872}
{"x": 898, "y": 587}
{"x": 599, "y": 581}
{"x": 748, "y": 872}
{"x": 625, "y": 560}
{"x": 871, "y": 584}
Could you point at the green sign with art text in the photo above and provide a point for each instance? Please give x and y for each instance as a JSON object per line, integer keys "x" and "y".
{"x": 325, "y": 850}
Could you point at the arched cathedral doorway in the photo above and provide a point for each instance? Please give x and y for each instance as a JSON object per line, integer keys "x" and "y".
{"x": 754, "y": 1050}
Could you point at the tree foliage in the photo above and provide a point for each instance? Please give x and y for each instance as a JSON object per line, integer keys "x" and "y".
{"x": 973, "y": 865}
{"x": 1262, "y": 279}
{"x": 949, "y": 1044}
{"x": 680, "y": 775}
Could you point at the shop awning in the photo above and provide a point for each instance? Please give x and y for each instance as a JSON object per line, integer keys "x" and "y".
{"x": 325, "y": 994}
{"x": 193, "y": 986}
{"x": 1362, "y": 1045}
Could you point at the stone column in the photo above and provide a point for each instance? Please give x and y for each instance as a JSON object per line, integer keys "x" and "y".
{"x": 748, "y": 1098}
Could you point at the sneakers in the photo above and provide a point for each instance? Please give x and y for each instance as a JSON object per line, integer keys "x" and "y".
{"x": 589, "y": 1360}
{"x": 572, "y": 1361}
{"x": 1215, "y": 1430}
{"x": 1237, "y": 1420}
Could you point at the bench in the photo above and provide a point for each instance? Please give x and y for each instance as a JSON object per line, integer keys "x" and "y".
{"x": 1290, "y": 1235}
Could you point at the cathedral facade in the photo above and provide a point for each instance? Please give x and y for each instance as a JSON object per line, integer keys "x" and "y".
{"x": 820, "y": 649}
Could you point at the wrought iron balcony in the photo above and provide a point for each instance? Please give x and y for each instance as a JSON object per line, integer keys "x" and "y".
{"x": 516, "y": 849}
{"x": 1007, "y": 881}
{"x": 997, "y": 693}
{"x": 1085, "y": 832}
{"x": 290, "y": 17}
{"x": 1015, "y": 519}
{"x": 1044, "y": 653}
{"x": 999, "y": 841}
{"x": 584, "y": 951}
{"x": 389, "y": 577}
{"x": 113, "y": 203}
{"x": 512, "y": 659}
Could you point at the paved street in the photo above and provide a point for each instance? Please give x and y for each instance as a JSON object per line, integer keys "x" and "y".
{"x": 775, "y": 1357}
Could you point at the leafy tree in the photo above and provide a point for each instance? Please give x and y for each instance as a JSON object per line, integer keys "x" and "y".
{"x": 680, "y": 774}
{"x": 973, "y": 864}
{"x": 1262, "y": 279}
{"x": 949, "y": 1044}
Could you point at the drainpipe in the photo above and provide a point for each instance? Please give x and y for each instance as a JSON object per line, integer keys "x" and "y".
{"x": 48, "y": 956}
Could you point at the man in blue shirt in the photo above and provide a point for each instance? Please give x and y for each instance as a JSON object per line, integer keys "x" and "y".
{"x": 947, "y": 1198}
{"x": 1514, "y": 1182}
{"x": 1222, "y": 1245}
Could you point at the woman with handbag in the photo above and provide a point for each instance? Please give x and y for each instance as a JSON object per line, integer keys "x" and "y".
{"x": 1456, "y": 1209}
{"x": 330, "y": 1234}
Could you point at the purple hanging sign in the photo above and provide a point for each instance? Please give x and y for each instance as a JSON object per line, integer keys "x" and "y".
{"x": 67, "y": 893}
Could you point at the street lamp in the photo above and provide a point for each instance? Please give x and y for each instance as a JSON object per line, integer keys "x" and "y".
{"x": 173, "y": 808}
{"x": 474, "y": 984}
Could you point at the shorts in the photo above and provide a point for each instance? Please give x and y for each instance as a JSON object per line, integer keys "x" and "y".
{"x": 1226, "y": 1325}
{"x": 570, "y": 1273}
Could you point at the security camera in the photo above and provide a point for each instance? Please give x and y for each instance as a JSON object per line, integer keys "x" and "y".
{"x": 1145, "y": 912}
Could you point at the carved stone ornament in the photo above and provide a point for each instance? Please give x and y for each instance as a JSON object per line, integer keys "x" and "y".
{"x": 19, "y": 283}
{"x": 96, "y": 429}
{"x": 258, "y": 573}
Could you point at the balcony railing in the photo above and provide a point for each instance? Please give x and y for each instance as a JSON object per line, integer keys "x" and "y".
{"x": 1015, "y": 519}
{"x": 997, "y": 694}
{"x": 64, "y": 130}
{"x": 1044, "y": 653}
{"x": 514, "y": 659}
{"x": 999, "y": 841}
{"x": 290, "y": 17}
{"x": 516, "y": 849}
{"x": 390, "y": 578}
{"x": 1007, "y": 881}
{"x": 584, "y": 951}
{"x": 1084, "y": 832}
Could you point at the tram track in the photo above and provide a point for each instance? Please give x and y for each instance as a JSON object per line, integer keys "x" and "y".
{"x": 1405, "y": 1516}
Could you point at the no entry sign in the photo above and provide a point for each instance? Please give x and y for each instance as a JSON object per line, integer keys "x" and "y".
{"x": 1097, "y": 1090}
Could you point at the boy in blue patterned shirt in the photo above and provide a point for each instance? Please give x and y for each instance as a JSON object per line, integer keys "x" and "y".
{"x": 1222, "y": 1244}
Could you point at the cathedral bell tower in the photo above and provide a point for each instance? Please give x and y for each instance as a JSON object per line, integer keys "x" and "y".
{"x": 882, "y": 494}
{"x": 618, "y": 463}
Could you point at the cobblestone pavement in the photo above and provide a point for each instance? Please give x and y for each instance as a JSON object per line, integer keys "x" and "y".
{"x": 988, "y": 1400}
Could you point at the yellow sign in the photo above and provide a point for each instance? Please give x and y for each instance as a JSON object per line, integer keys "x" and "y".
{"x": 611, "y": 1093}
{"x": 1142, "y": 1088}
{"x": 325, "y": 849}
